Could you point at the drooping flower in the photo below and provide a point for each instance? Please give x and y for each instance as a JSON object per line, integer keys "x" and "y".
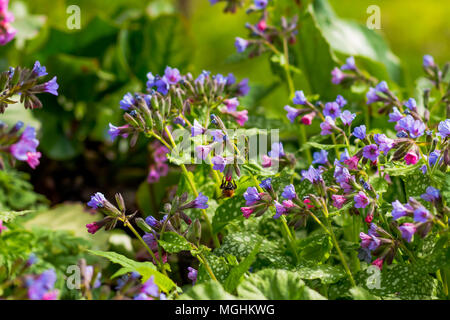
{"x": 399, "y": 210}
{"x": 98, "y": 200}
{"x": 260, "y": 4}
{"x": 361, "y": 200}
{"x": 153, "y": 175}
{"x": 320, "y": 157}
{"x": 192, "y": 275}
{"x": 243, "y": 88}
{"x": 289, "y": 192}
{"x": 431, "y": 194}
{"x": 444, "y": 128}
{"x": 352, "y": 163}
{"x": 27, "y": 145}
{"x": 395, "y": 115}
{"x": 203, "y": 151}
{"x": 428, "y": 61}
{"x": 201, "y": 202}
{"x": 407, "y": 230}
{"x": 231, "y": 104}
{"x": 338, "y": 200}
{"x": 337, "y": 76}
{"x": 378, "y": 263}
{"x": 411, "y": 104}
{"x": 347, "y": 117}
{"x": 360, "y": 132}
{"x": 277, "y": 150}
{"x": 266, "y": 184}
{"x": 349, "y": 64}
{"x": 369, "y": 241}
{"x": 340, "y": 100}
{"x": 41, "y": 288}
{"x": 299, "y": 98}
{"x": 251, "y": 196}
{"x": 372, "y": 96}
{"x": 312, "y": 175}
{"x": 240, "y": 44}
{"x": 197, "y": 129}
{"x": 266, "y": 161}
{"x": 39, "y": 70}
{"x": 150, "y": 287}
{"x": 279, "y": 210}
{"x": 327, "y": 126}
{"x": 371, "y": 152}
{"x": 127, "y": 101}
{"x": 332, "y": 109}
{"x": 308, "y": 118}
{"x": 384, "y": 143}
{"x": 114, "y": 131}
{"x": 219, "y": 163}
{"x": 422, "y": 215}
{"x": 292, "y": 113}
{"x": 247, "y": 211}
{"x": 411, "y": 158}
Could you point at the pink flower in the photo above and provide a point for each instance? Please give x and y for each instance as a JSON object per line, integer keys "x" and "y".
{"x": 247, "y": 211}
{"x": 2, "y": 228}
{"x": 308, "y": 118}
{"x": 369, "y": 218}
{"x": 308, "y": 204}
{"x": 352, "y": 163}
{"x": 378, "y": 263}
{"x": 262, "y": 25}
{"x": 33, "y": 159}
{"x": 338, "y": 200}
{"x": 203, "y": 151}
{"x": 93, "y": 227}
{"x": 411, "y": 158}
{"x": 241, "y": 117}
{"x": 231, "y": 104}
{"x": 266, "y": 161}
{"x": 153, "y": 175}
{"x": 162, "y": 168}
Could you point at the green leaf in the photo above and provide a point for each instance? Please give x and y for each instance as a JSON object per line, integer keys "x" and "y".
{"x": 218, "y": 265}
{"x": 237, "y": 272}
{"x": 324, "y": 272}
{"x": 228, "y": 211}
{"x": 8, "y": 216}
{"x": 145, "y": 269}
{"x": 359, "y": 293}
{"x": 351, "y": 38}
{"x": 209, "y": 290}
{"x": 315, "y": 248}
{"x": 172, "y": 242}
{"x": 322, "y": 146}
{"x": 380, "y": 184}
{"x": 271, "y": 284}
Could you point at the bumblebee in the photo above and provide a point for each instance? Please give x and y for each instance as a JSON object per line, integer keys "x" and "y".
{"x": 228, "y": 186}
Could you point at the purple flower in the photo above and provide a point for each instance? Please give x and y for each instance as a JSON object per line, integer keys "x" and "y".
{"x": 327, "y": 126}
{"x": 320, "y": 157}
{"x": 349, "y": 64}
{"x": 407, "y": 230}
{"x": 219, "y": 163}
{"x": 203, "y": 151}
{"x": 172, "y": 75}
{"x": 371, "y": 152}
{"x": 243, "y": 88}
{"x": 289, "y": 192}
{"x": 369, "y": 241}
{"x": 431, "y": 194}
{"x": 218, "y": 135}
{"x": 338, "y": 200}
{"x": 382, "y": 87}
{"x": 411, "y": 104}
{"x": 49, "y": 86}
{"x": 26, "y": 145}
{"x": 266, "y": 184}
{"x": 361, "y": 200}
{"x": 231, "y": 104}
{"x": 417, "y": 129}
{"x": 231, "y": 79}
{"x": 444, "y": 128}
{"x": 142, "y": 296}
{"x": 292, "y": 113}
{"x": 39, "y": 70}
{"x": 127, "y": 101}
{"x": 114, "y": 131}
{"x": 150, "y": 288}
{"x": 97, "y": 200}
{"x": 332, "y": 110}
{"x": 277, "y": 150}
{"x": 312, "y": 175}
{"x": 398, "y": 210}
{"x": 372, "y": 96}
{"x": 220, "y": 79}
{"x": 251, "y": 196}
{"x": 428, "y": 61}
{"x": 341, "y": 101}
{"x": 197, "y": 129}
{"x": 260, "y": 4}
{"x": 41, "y": 287}
{"x": 384, "y": 143}
{"x": 395, "y": 115}
{"x": 162, "y": 86}
{"x": 347, "y": 117}
{"x": 180, "y": 121}
{"x": 240, "y": 44}
{"x": 201, "y": 202}
{"x": 279, "y": 210}
{"x": 434, "y": 156}
{"x": 192, "y": 275}
{"x": 342, "y": 175}
{"x": 337, "y": 76}
{"x": 152, "y": 222}
{"x": 360, "y": 132}
{"x": 299, "y": 98}
{"x": 422, "y": 215}
{"x": 212, "y": 2}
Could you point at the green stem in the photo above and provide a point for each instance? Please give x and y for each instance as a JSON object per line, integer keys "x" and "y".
{"x": 290, "y": 239}
{"x": 202, "y": 259}
{"x": 194, "y": 190}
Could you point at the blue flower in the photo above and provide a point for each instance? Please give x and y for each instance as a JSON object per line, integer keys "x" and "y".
{"x": 152, "y": 222}
{"x": 39, "y": 70}
{"x": 422, "y": 215}
{"x": 201, "y": 202}
{"x": 277, "y": 150}
{"x": 127, "y": 101}
{"x": 360, "y": 132}
{"x": 279, "y": 210}
{"x": 289, "y": 192}
{"x": 411, "y": 104}
{"x": 292, "y": 113}
{"x": 371, "y": 152}
{"x": 395, "y": 115}
{"x": 312, "y": 175}
{"x": 150, "y": 288}
{"x": 431, "y": 194}
{"x": 349, "y": 64}
{"x": 240, "y": 44}
{"x": 428, "y": 61}
{"x": 266, "y": 184}
{"x": 444, "y": 128}
{"x": 251, "y": 196}
{"x": 320, "y": 157}
{"x": 51, "y": 86}
{"x": 399, "y": 210}
{"x": 341, "y": 101}
{"x": 197, "y": 129}
{"x": 98, "y": 200}
{"x": 347, "y": 117}
{"x": 299, "y": 98}
{"x": 260, "y": 4}
{"x": 332, "y": 110}
{"x": 327, "y": 126}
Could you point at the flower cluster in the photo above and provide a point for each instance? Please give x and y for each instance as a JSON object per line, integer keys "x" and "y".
{"x": 41, "y": 287}
{"x": 25, "y": 83}
{"x": 159, "y": 167}
{"x": 349, "y": 73}
{"x": 18, "y": 144}
{"x": 7, "y": 31}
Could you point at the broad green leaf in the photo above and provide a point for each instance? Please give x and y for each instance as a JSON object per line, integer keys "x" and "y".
{"x": 359, "y": 293}
{"x": 209, "y": 290}
{"x": 324, "y": 272}
{"x": 218, "y": 265}
{"x": 172, "y": 242}
{"x": 322, "y": 146}
{"x": 145, "y": 269}
{"x": 315, "y": 248}
{"x": 380, "y": 184}
{"x": 272, "y": 284}
{"x": 237, "y": 272}
{"x": 228, "y": 211}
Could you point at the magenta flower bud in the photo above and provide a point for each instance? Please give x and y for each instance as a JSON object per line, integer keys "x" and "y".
{"x": 352, "y": 163}
{"x": 231, "y": 104}
{"x": 247, "y": 211}
{"x": 153, "y": 175}
{"x": 266, "y": 161}
{"x": 308, "y": 118}
{"x": 378, "y": 263}
{"x": 411, "y": 158}
{"x": 361, "y": 200}
{"x": 2, "y": 227}
{"x": 338, "y": 200}
{"x": 93, "y": 227}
